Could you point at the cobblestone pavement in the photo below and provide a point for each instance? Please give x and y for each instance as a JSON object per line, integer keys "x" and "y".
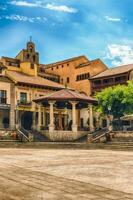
{"x": 33, "y": 174}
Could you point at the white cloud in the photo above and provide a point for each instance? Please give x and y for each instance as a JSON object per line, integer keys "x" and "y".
{"x": 120, "y": 54}
{"x": 62, "y": 8}
{"x": 39, "y": 4}
{"x": 112, "y": 19}
{"x": 24, "y": 3}
{"x": 23, "y": 18}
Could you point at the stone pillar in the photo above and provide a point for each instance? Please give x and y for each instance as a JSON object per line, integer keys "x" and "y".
{"x": 12, "y": 118}
{"x": 60, "y": 120}
{"x": 34, "y": 120}
{"x": 12, "y": 110}
{"x": 91, "y": 118}
{"x": 44, "y": 117}
{"x": 39, "y": 118}
{"x": 74, "y": 125}
{"x": 79, "y": 120}
{"x": 34, "y": 117}
{"x": 51, "y": 125}
{"x": 17, "y": 118}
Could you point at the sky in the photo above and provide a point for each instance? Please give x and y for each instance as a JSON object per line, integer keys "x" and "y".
{"x": 63, "y": 29}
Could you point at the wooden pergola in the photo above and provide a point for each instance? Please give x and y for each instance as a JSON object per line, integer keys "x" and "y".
{"x": 67, "y": 99}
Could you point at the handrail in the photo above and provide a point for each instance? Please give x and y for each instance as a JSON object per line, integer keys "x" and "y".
{"x": 20, "y": 132}
{"x": 106, "y": 134}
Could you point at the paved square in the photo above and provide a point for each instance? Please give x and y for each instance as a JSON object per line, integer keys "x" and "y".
{"x": 37, "y": 174}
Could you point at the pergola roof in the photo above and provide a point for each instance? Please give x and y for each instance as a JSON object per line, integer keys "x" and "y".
{"x": 66, "y": 95}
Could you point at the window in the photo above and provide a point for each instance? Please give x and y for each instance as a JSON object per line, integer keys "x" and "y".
{"x": 62, "y": 66}
{"x": 23, "y": 97}
{"x": 57, "y": 67}
{"x": 67, "y": 64}
{"x": 62, "y": 80}
{"x": 28, "y": 56}
{"x": 97, "y": 82}
{"x": 34, "y": 58}
{"x": 68, "y": 80}
{"x": 3, "y": 96}
{"x": 83, "y": 76}
{"x": 32, "y": 66}
{"x": 106, "y": 81}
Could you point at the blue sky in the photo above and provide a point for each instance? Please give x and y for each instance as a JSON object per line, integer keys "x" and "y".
{"x": 65, "y": 28}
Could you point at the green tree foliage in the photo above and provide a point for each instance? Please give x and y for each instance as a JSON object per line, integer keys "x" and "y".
{"x": 119, "y": 98}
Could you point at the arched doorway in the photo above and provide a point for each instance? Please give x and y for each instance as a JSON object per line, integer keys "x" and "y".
{"x": 26, "y": 120}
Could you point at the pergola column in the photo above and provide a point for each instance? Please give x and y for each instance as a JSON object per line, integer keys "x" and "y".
{"x": 74, "y": 124}
{"x": 44, "y": 117}
{"x": 91, "y": 118}
{"x": 39, "y": 117}
{"x": 51, "y": 125}
{"x": 34, "y": 117}
{"x": 60, "y": 120}
{"x": 17, "y": 118}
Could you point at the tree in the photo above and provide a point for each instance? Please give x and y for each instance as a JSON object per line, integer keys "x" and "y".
{"x": 119, "y": 98}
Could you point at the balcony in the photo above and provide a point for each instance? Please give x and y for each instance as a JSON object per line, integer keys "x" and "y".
{"x": 24, "y": 103}
{"x": 3, "y": 100}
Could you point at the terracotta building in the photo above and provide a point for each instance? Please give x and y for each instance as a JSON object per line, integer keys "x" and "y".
{"x": 23, "y": 79}
{"x": 111, "y": 77}
{"x": 75, "y": 72}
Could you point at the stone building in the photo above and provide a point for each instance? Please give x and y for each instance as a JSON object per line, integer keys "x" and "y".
{"x": 111, "y": 77}
{"x": 75, "y": 72}
{"x": 23, "y": 79}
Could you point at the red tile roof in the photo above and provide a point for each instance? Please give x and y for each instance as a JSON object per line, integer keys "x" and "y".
{"x": 64, "y": 61}
{"x": 114, "y": 71}
{"x": 66, "y": 94}
{"x": 19, "y": 77}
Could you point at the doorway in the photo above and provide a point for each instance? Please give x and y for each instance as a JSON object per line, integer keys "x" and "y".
{"x": 26, "y": 120}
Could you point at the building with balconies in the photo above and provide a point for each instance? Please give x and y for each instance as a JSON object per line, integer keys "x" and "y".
{"x": 111, "y": 77}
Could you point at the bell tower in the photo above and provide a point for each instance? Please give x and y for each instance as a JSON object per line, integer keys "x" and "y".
{"x": 29, "y": 54}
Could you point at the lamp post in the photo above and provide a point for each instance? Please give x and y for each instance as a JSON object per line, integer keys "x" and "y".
{"x": 109, "y": 124}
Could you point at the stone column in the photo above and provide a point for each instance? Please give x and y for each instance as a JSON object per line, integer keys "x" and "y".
{"x": 91, "y": 118}
{"x": 51, "y": 125}
{"x": 74, "y": 125}
{"x": 12, "y": 118}
{"x": 12, "y": 110}
{"x": 79, "y": 121}
{"x": 39, "y": 118}
{"x": 44, "y": 117}
{"x": 17, "y": 118}
{"x": 60, "y": 120}
{"x": 34, "y": 117}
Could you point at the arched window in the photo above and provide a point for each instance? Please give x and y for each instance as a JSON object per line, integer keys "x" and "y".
{"x": 34, "y": 58}
{"x": 28, "y": 56}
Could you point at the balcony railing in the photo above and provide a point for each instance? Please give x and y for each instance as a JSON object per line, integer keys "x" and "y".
{"x": 3, "y": 100}
{"x": 24, "y": 103}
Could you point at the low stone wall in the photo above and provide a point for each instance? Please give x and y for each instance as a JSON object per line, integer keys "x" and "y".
{"x": 8, "y": 135}
{"x": 122, "y": 136}
{"x": 64, "y": 136}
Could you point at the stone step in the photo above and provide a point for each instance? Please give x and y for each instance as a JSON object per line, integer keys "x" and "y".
{"x": 65, "y": 145}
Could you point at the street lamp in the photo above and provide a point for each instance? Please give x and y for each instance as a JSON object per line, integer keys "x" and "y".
{"x": 109, "y": 118}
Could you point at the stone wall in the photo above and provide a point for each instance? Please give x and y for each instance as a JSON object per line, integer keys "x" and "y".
{"x": 8, "y": 135}
{"x": 64, "y": 136}
{"x": 122, "y": 136}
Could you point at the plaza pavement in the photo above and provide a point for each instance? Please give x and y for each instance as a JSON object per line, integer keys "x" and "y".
{"x": 41, "y": 174}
